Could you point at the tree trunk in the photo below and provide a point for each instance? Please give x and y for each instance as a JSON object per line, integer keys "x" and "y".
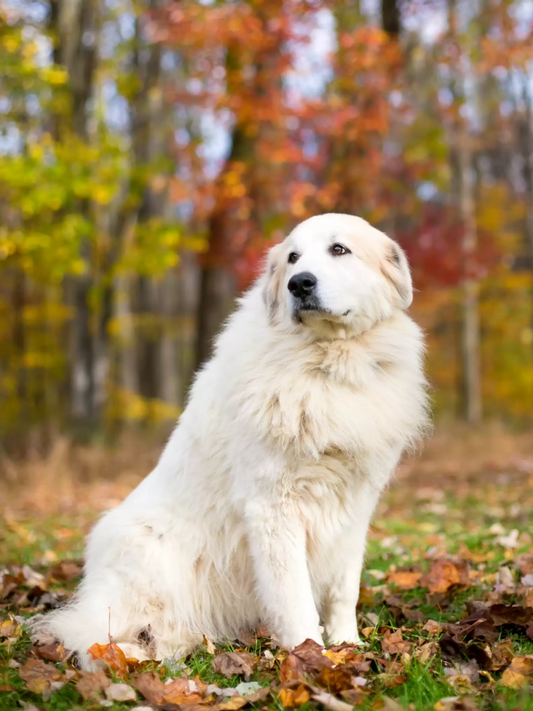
{"x": 470, "y": 326}
{"x": 526, "y": 149}
{"x": 470, "y": 289}
{"x": 391, "y": 19}
{"x": 75, "y": 24}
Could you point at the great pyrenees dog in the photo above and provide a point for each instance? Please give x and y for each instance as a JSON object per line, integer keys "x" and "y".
{"x": 259, "y": 507}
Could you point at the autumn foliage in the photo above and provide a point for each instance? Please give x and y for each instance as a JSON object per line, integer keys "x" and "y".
{"x": 143, "y": 177}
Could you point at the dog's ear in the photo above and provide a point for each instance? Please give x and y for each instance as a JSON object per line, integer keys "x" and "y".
{"x": 395, "y": 268}
{"x": 273, "y": 280}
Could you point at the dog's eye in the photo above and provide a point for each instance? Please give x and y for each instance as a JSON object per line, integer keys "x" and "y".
{"x": 338, "y": 249}
{"x": 293, "y": 258}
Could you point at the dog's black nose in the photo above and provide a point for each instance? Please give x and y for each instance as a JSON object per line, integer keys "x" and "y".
{"x": 302, "y": 285}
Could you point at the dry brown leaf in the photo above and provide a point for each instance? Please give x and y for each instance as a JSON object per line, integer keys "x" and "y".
{"x": 10, "y": 629}
{"x": 519, "y": 673}
{"x": 307, "y": 657}
{"x": 236, "y": 702}
{"x": 385, "y": 703}
{"x": 91, "y": 684}
{"x": 230, "y": 663}
{"x": 39, "y": 676}
{"x": 51, "y": 652}
{"x": 404, "y": 579}
{"x": 394, "y": 643}
{"x": 150, "y": 686}
{"x": 292, "y": 698}
{"x": 334, "y": 680}
{"x": 339, "y": 655}
{"x": 502, "y": 654}
{"x": 456, "y": 703}
{"x": 66, "y": 570}
{"x": 291, "y": 669}
{"x": 431, "y": 627}
{"x": 178, "y": 691}
{"x": 112, "y": 655}
{"x": 445, "y": 573}
{"x": 426, "y": 652}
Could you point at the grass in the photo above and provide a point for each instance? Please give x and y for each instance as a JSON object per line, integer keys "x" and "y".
{"x": 420, "y": 519}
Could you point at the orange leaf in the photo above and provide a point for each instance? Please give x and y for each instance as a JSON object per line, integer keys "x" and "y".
{"x": 112, "y": 655}
{"x": 404, "y": 579}
{"x": 292, "y": 698}
{"x": 445, "y": 573}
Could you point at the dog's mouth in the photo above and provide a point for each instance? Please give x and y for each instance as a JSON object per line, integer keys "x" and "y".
{"x": 312, "y": 307}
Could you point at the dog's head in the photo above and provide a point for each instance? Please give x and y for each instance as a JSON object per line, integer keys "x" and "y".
{"x": 336, "y": 271}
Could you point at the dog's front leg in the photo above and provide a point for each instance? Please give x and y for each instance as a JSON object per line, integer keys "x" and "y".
{"x": 277, "y": 543}
{"x": 340, "y": 621}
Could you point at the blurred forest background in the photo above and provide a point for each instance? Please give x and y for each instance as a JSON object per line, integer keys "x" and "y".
{"x": 150, "y": 151}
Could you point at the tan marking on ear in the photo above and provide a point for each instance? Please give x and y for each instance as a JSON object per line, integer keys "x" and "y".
{"x": 274, "y": 280}
{"x": 395, "y": 269}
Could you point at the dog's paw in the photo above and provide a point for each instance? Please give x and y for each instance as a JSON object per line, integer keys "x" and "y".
{"x": 290, "y": 641}
{"x": 344, "y": 635}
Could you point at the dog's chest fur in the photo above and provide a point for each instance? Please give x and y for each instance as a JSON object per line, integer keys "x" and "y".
{"x": 350, "y": 398}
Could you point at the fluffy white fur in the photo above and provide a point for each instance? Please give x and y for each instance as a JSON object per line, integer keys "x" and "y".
{"x": 259, "y": 506}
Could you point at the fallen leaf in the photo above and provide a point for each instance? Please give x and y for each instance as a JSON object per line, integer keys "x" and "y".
{"x": 519, "y": 673}
{"x": 456, "y": 703}
{"x": 385, "y": 703}
{"x": 39, "y": 676}
{"x": 334, "y": 680}
{"x": 120, "y": 692}
{"x": 181, "y": 691}
{"x": 502, "y": 654}
{"x": 404, "y": 579}
{"x": 292, "y": 698}
{"x": 445, "y": 573}
{"x": 426, "y": 652}
{"x": 394, "y": 643}
{"x": 230, "y": 663}
{"x": 66, "y": 570}
{"x": 51, "y": 652}
{"x": 236, "y": 702}
{"x": 10, "y": 629}
{"x": 307, "y": 657}
{"x": 511, "y": 615}
{"x": 91, "y": 684}
{"x": 150, "y": 686}
{"x": 431, "y": 627}
{"x": 112, "y": 655}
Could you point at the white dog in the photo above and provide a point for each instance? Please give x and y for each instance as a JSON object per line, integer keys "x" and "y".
{"x": 259, "y": 506}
